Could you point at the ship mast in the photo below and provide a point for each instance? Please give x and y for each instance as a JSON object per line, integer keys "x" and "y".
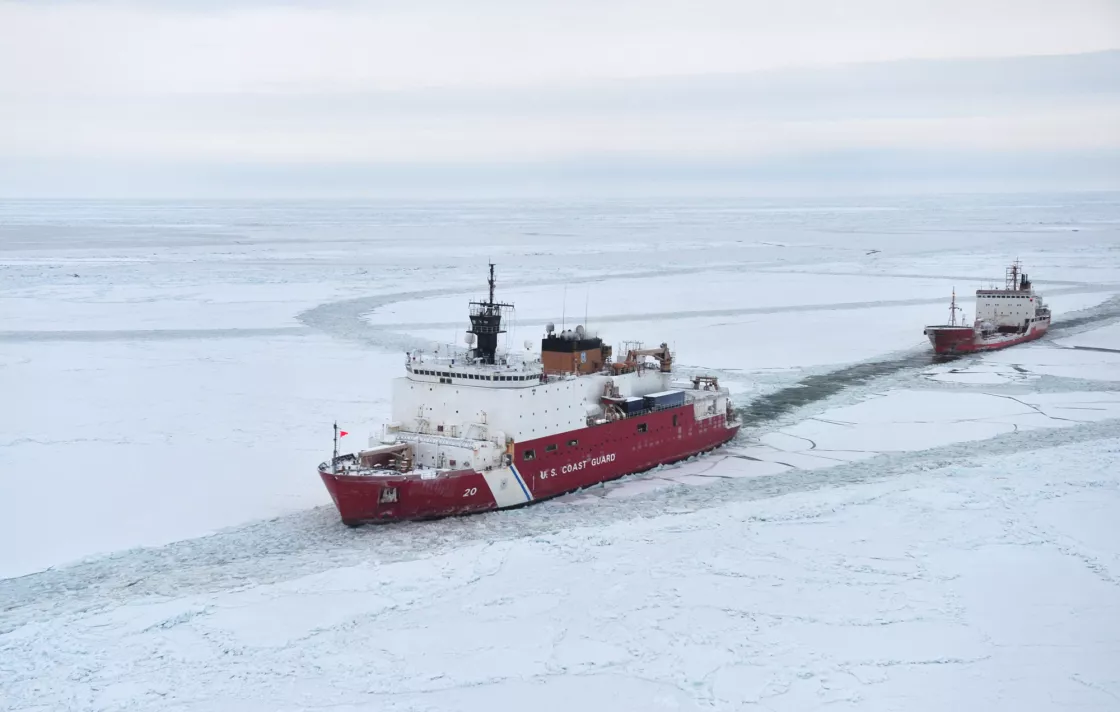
{"x": 334, "y": 455}
{"x": 486, "y": 324}
{"x": 953, "y": 309}
{"x": 1011, "y": 281}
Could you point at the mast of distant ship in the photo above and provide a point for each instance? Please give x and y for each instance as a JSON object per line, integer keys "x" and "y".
{"x": 1012, "y": 280}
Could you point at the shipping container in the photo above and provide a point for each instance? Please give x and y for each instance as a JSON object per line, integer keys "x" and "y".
{"x": 634, "y": 405}
{"x": 629, "y": 406}
{"x": 664, "y": 399}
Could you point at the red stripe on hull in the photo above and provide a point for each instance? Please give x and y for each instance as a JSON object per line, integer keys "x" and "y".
{"x": 578, "y": 459}
{"x": 948, "y": 340}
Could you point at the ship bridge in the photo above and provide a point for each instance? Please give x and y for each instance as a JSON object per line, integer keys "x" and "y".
{"x": 1014, "y": 307}
{"x": 461, "y": 370}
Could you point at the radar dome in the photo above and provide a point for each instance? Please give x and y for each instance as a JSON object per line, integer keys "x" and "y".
{"x": 469, "y": 339}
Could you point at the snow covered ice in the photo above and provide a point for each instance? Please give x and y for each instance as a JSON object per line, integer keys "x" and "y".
{"x": 889, "y": 531}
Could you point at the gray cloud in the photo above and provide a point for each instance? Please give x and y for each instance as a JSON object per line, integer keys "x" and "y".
{"x": 852, "y": 172}
{"x": 907, "y": 88}
{"x": 374, "y": 96}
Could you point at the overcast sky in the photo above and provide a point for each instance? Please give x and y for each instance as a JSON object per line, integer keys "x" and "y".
{"x": 257, "y": 97}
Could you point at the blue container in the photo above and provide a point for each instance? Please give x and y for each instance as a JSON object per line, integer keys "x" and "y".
{"x": 665, "y": 399}
{"x": 629, "y": 406}
{"x": 634, "y": 405}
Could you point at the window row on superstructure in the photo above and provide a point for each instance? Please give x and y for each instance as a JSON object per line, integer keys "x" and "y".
{"x": 475, "y": 376}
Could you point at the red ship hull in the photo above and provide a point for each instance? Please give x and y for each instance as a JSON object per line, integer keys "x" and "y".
{"x": 561, "y": 463}
{"x": 962, "y": 340}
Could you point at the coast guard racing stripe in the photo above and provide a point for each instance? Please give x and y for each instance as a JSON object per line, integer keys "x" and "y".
{"x": 507, "y": 487}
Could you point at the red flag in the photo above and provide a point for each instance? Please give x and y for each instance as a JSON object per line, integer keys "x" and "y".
{"x": 342, "y": 433}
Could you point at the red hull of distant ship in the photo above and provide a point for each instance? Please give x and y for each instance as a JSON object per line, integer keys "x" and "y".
{"x": 600, "y": 453}
{"x": 963, "y": 340}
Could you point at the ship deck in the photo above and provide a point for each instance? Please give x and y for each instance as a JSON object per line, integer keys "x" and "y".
{"x": 350, "y": 470}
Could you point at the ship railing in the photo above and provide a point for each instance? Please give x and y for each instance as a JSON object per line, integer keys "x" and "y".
{"x": 460, "y": 357}
{"x": 486, "y": 309}
{"x": 470, "y": 363}
{"x": 704, "y": 395}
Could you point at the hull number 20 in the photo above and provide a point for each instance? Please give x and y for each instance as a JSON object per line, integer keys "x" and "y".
{"x": 470, "y": 492}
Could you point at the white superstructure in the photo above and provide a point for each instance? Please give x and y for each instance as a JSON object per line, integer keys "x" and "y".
{"x": 464, "y": 413}
{"x": 1015, "y": 307}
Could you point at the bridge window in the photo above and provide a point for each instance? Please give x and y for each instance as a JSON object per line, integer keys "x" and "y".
{"x": 530, "y": 455}
{"x": 573, "y": 443}
{"x": 550, "y": 448}
{"x": 642, "y": 427}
